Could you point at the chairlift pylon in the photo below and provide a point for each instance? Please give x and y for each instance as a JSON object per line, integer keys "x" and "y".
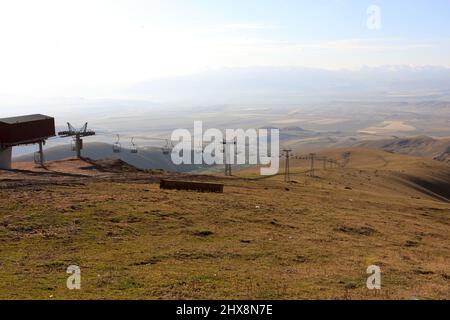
{"x": 77, "y": 135}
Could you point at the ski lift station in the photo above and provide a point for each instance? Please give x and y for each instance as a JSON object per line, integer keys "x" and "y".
{"x": 23, "y": 130}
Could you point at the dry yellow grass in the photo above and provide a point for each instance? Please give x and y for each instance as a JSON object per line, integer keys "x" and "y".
{"x": 261, "y": 239}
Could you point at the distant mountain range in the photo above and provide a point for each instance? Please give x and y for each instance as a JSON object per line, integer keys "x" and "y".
{"x": 285, "y": 84}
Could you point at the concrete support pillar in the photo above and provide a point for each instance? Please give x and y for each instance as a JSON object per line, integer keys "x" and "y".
{"x": 5, "y": 158}
{"x": 39, "y": 156}
{"x": 78, "y": 145}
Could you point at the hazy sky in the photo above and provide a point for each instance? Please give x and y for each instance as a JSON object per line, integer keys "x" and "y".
{"x": 53, "y": 48}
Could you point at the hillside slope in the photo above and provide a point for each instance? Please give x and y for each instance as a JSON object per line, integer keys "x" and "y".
{"x": 422, "y": 175}
{"x": 373, "y": 170}
{"x": 260, "y": 239}
{"x": 422, "y": 146}
{"x": 150, "y": 158}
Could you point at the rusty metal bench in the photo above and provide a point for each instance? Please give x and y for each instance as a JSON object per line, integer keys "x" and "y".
{"x": 191, "y": 185}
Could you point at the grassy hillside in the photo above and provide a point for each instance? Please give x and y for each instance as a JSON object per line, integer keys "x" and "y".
{"x": 422, "y": 146}
{"x": 261, "y": 238}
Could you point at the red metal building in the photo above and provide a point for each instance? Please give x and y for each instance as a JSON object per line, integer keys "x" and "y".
{"x": 30, "y": 129}
{"x": 26, "y": 129}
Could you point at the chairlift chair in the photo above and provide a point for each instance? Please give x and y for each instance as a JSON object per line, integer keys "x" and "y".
{"x": 167, "y": 148}
{"x": 37, "y": 158}
{"x": 117, "y": 147}
{"x": 133, "y": 148}
{"x": 199, "y": 149}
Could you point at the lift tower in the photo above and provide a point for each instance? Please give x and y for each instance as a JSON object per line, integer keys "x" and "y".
{"x": 287, "y": 176}
{"x": 77, "y": 135}
{"x": 227, "y": 154}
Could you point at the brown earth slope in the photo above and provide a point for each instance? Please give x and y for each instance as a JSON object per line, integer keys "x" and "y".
{"x": 260, "y": 239}
{"x": 422, "y": 146}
